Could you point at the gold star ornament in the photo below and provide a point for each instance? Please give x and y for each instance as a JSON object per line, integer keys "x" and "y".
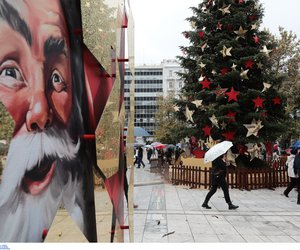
{"x": 266, "y": 50}
{"x": 202, "y": 65}
{"x": 189, "y": 114}
{"x": 201, "y": 78}
{"x": 214, "y": 121}
{"x": 198, "y": 103}
{"x": 244, "y": 73}
{"x": 253, "y": 127}
{"x": 233, "y": 66}
{"x": 176, "y": 108}
{"x": 226, "y": 51}
{"x": 193, "y": 24}
{"x": 240, "y": 33}
{"x": 254, "y": 26}
{"x": 266, "y": 86}
{"x": 223, "y": 125}
{"x": 260, "y": 65}
{"x": 225, "y": 10}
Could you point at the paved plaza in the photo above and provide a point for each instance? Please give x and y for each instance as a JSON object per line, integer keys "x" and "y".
{"x": 171, "y": 214}
{"x": 168, "y": 213}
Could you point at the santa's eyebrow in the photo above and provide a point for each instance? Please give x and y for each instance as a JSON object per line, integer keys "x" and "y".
{"x": 10, "y": 15}
{"x": 54, "y": 46}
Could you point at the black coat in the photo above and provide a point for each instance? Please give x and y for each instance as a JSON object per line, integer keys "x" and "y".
{"x": 297, "y": 164}
{"x": 219, "y": 170}
{"x": 140, "y": 153}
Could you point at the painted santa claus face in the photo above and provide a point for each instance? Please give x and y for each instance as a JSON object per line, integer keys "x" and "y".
{"x": 36, "y": 90}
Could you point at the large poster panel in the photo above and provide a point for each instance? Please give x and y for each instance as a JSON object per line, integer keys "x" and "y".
{"x": 44, "y": 160}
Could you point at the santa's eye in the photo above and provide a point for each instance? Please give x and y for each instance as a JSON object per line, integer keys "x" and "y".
{"x": 57, "y": 82}
{"x": 11, "y": 72}
{"x": 11, "y": 77}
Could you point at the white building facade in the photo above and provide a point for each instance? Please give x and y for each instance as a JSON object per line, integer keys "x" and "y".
{"x": 171, "y": 81}
{"x": 151, "y": 82}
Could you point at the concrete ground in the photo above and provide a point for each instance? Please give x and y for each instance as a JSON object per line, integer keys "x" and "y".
{"x": 171, "y": 214}
{"x": 168, "y": 213}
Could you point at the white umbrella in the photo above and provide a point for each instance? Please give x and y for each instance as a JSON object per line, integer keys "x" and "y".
{"x": 215, "y": 151}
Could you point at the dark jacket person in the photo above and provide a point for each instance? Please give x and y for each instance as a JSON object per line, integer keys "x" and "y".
{"x": 219, "y": 168}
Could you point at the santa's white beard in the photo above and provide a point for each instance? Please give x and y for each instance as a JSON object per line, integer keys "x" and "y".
{"x": 23, "y": 217}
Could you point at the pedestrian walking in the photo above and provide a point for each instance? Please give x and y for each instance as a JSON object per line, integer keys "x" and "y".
{"x": 296, "y": 167}
{"x": 168, "y": 155}
{"x": 149, "y": 153}
{"x": 219, "y": 168}
{"x": 160, "y": 156}
{"x": 135, "y": 156}
{"x": 140, "y": 157}
{"x": 294, "y": 178}
{"x": 178, "y": 153}
{"x": 126, "y": 185}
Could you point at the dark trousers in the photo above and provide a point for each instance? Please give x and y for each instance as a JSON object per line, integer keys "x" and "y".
{"x": 140, "y": 161}
{"x": 294, "y": 182}
{"x": 220, "y": 181}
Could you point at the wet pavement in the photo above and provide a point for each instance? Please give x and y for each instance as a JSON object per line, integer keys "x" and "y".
{"x": 168, "y": 213}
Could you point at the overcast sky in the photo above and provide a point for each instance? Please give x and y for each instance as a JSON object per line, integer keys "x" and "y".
{"x": 159, "y": 24}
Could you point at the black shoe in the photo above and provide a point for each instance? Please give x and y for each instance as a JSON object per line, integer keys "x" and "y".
{"x": 285, "y": 194}
{"x": 231, "y": 206}
{"x": 206, "y": 205}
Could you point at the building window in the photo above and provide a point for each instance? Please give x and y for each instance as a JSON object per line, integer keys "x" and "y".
{"x": 170, "y": 73}
{"x": 171, "y": 85}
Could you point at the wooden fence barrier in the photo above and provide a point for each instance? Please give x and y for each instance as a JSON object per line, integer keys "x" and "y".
{"x": 241, "y": 178}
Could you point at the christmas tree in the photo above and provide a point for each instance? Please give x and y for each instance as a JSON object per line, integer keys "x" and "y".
{"x": 230, "y": 88}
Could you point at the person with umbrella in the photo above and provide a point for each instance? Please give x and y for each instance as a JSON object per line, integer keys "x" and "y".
{"x": 218, "y": 155}
{"x": 149, "y": 152}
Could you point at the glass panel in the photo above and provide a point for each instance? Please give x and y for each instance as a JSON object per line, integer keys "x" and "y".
{"x": 130, "y": 37}
{"x": 100, "y": 21}
{"x": 108, "y": 153}
{"x": 130, "y": 161}
{"x": 41, "y": 109}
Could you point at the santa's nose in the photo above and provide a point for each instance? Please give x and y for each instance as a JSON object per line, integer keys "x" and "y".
{"x": 39, "y": 115}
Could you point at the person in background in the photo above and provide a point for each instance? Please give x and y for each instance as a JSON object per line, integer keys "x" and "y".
{"x": 140, "y": 157}
{"x": 296, "y": 167}
{"x": 126, "y": 185}
{"x": 149, "y": 153}
{"x": 219, "y": 167}
{"x": 160, "y": 156}
{"x": 135, "y": 156}
{"x": 294, "y": 178}
{"x": 178, "y": 153}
